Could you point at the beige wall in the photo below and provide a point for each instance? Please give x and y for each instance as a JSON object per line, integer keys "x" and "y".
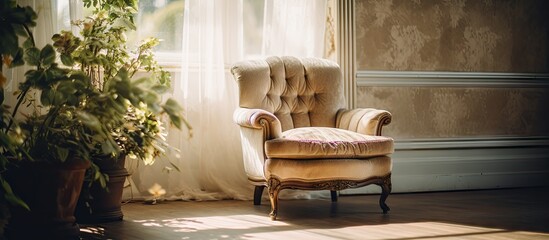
{"x": 453, "y": 35}
{"x": 426, "y": 112}
{"x": 510, "y": 36}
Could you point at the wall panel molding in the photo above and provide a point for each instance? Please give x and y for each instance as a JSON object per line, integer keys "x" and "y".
{"x": 423, "y": 165}
{"x": 451, "y": 79}
{"x": 346, "y": 48}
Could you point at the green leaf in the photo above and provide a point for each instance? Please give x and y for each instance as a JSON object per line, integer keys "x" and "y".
{"x": 63, "y": 153}
{"x": 160, "y": 88}
{"x": 72, "y": 100}
{"x": 102, "y": 180}
{"x": 11, "y": 197}
{"x": 30, "y": 16}
{"x": 20, "y": 30}
{"x": 47, "y": 55}
{"x": 5, "y": 140}
{"x": 18, "y": 58}
{"x": 8, "y": 40}
{"x": 47, "y": 96}
{"x": 14, "y": 200}
{"x": 151, "y": 97}
{"x": 67, "y": 88}
{"x": 108, "y": 148}
{"x": 172, "y": 106}
{"x": 174, "y": 111}
{"x": 28, "y": 43}
{"x": 89, "y": 120}
{"x": 32, "y": 56}
{"x": 129, "y": 23}
{"x": 67, "y": 60}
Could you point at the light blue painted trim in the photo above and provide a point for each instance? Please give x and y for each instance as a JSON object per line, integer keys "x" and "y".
{"x": 451, "y": 79}
{"x": 422, "y": 165}
{"x": 470, "y": 143}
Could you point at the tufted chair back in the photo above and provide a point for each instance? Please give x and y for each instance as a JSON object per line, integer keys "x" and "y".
{"x": 306, "y": 92}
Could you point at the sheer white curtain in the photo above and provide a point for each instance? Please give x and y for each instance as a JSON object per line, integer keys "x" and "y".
{"x": 210, "y": 161}
{"x": 294, "y": 28}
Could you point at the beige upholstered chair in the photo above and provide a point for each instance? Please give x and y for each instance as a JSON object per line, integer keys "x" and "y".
{"x": 297, "y": 134}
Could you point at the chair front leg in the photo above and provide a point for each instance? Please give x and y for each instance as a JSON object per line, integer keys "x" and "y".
{"x": 386, "y": 187}
{"x": 273, "y": 185}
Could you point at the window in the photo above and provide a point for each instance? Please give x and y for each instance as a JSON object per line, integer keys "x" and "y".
{"x": 163, "y": 19}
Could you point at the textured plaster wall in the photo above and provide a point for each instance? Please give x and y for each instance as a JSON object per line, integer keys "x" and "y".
{"x": 453, "y": 35}
{"x": 456, "y": 35}
{"x": 425, "y": 112}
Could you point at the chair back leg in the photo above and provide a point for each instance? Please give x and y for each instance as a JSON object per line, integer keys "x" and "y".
{"x": 258, "y": 193}
{"x": 334, "y": 195}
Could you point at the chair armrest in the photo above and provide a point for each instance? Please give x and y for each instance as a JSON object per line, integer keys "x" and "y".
{"x": 258, "y": 119}
{"x": 367, "y": 121}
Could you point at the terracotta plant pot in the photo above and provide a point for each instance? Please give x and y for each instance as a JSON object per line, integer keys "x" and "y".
{"x": 51, "y": 191}
{"x": 97, "y": 204}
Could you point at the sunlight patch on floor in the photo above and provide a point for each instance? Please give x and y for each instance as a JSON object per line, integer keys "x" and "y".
{"x": 215, "y": 222}
{"x": 93, "y": 230}
{"x": 404, "y": 231}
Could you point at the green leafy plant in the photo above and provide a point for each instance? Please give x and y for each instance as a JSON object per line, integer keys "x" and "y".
{"x": 80, "y": 98}
{"x": 101, "y": 52}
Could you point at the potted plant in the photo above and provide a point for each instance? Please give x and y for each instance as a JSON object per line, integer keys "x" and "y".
{"x": 101, "y": 52}
{"x": 62, "y": 120}
{"x": 45, "y": 167}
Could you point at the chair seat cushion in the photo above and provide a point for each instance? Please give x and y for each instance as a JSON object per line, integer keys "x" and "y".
{"x": 323, "y": 142}
{"x": 328, "y": 169}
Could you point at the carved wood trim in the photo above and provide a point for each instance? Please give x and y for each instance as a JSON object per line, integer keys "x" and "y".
{"x": 275, "y": 185}
{"x": 335, "y": 185}
{"x": 332, "y": 185}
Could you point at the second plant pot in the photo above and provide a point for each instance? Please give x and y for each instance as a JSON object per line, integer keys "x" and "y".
{"x": 97, "y": 204}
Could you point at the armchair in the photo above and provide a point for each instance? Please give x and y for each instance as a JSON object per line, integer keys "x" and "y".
{"x": 297, "y": 134}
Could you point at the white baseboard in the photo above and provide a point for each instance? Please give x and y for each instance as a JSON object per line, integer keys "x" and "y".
{"x": 466, "y": 164}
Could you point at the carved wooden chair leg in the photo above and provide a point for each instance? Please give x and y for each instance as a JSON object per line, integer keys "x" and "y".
{"x": 273, "y": 185}
{"x": 258, "y": 192}
{"x": 385, "y": 190}
{"x": 334, "y": 195}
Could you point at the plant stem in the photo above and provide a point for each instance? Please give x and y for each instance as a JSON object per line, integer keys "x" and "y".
{"x": 136, "y": 60}
{"x": 20, "y": 99}
{"x": 30, "y": 34}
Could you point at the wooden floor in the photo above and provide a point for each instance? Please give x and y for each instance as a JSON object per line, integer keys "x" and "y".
{"x": 491, "y": 214}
